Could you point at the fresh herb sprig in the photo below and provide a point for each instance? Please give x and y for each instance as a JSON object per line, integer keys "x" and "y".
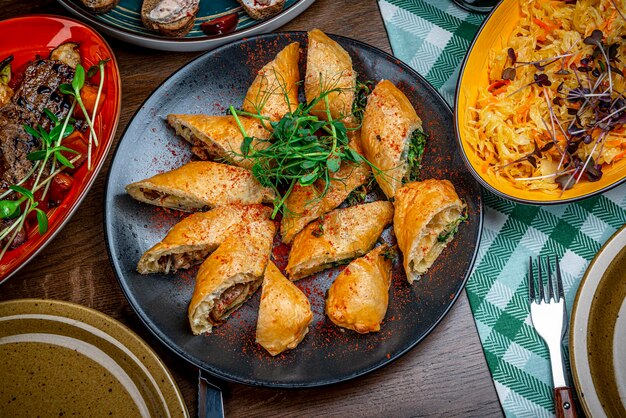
{"x": 12, "y": 209}
{"x": 73, "y": 89}
{"x": 302, "y": 150}
{"x": 51, "y": 150}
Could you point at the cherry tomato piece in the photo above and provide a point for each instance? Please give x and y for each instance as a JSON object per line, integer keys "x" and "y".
{"x": 60, "y": 187}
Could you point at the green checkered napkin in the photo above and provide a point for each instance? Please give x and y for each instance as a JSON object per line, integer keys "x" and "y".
{"x": 432, "y": 36}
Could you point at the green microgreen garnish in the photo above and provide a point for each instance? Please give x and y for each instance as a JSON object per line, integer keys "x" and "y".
{"x": 45, "y": 159}
{"x": 73, "y": 90}
{"x": 301, "y": 150}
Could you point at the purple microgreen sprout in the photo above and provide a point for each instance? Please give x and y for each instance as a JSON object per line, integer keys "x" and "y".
{"x": 552, "y": 59}
{"x": 541, "y": 80}
{"x": 509, "y": 74}
{"x": 596, "y": 39}
{"x": 532, "y": 156}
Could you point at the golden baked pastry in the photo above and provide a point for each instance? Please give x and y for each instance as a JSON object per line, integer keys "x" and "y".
{"x": 274, "y": 91}
{"x": 338, "y": 236}
{"x": 389, "y": 122}
{"x": 304, "y": 204}
{"x": 191, "y": 240}
{"x": 329, "y": 66}
{"x": 359, "y": 296}
{"x": 284, "y": 313}
{"x": 427, "y": 214}
{"x": 201, "y": 185}
{"x": 230, "y": 275}
{"x": 218, "y": 137}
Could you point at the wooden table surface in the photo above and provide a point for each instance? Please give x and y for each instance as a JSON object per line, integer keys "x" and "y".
{"x": 445, "y": 375}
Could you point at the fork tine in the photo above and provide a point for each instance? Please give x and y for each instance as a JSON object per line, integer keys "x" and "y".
{"x": 531, "y": 281}
{"x": 540, "y": 280}
{"x": 559, "y": 280}
{"x": 550, "y": 289}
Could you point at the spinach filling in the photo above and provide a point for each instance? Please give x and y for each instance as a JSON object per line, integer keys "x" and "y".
{"x": 451, "y": 229}
{"x": 357, "y": 196}
{"x": 362, "y": 90}
{"x": 417, "y": 143}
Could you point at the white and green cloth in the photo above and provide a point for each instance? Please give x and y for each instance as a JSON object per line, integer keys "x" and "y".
{"x": 433, "y": 36}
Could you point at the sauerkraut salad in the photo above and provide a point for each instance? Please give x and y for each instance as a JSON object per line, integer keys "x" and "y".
{"x": 554, "y": 112}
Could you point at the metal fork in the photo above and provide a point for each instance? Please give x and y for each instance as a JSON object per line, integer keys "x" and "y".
{"x": 549, "y": 317}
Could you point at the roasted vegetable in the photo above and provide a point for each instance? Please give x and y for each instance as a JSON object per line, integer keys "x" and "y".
{"x": 67, "y": 53}
{"x": 6, "y": 92}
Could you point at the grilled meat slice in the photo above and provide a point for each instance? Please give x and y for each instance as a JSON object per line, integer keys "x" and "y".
{"x": 39, "y": 90}
{"x": 15, "y": 144}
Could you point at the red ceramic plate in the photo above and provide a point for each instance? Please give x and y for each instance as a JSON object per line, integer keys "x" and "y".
{"x": 24, "y": 38}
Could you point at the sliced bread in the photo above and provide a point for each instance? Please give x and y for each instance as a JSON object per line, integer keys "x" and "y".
{"x": 175, "y": 17}
{"x": 262, "y": 9}
{"x": 100, "y": 6}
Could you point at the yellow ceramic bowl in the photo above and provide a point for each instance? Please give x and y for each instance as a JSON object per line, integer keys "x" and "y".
{"x": 494, "y": 33}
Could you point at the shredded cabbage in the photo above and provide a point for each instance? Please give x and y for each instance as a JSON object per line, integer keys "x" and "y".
{"x": 509, "y": 116}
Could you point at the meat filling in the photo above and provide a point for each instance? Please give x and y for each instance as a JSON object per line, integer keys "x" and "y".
{"x": 228, "y": 301}
{"x": 173, "y": 262}
{"x": 153, "y": 194}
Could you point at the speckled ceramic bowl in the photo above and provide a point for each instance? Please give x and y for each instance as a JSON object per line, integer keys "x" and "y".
{"x": 62, "y": 359}
{"x": 494, "y": 33}
{"x": 598, "y": 332}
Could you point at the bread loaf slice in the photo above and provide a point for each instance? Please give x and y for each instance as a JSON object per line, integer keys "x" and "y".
{"x": 262, "y": 9}
{"x": 100, "y": 6}
{"x": 178, "y": 25}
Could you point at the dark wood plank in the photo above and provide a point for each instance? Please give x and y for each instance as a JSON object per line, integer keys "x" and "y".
{"x": 433, "y": 379}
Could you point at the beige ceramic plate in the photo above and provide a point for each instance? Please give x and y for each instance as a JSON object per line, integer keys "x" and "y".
{"x": 598, "y": 332}
{"x": 62, "y": 359}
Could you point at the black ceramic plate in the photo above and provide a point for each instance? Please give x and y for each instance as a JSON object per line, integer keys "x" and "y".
{"x": 327, "y": 354}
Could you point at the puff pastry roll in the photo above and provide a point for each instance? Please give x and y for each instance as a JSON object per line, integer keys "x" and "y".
{"x": 427, "y": 215}
{"x": 218, "y": 137}
{"x": 359, "y": 296}
{"x": 274, "y": 91}
{"x": 201, "y": 185}
{"x": 284, "y": 313}
{"x": 304, "y": 203}
{"x": 389, "y": 122}
{"x": 340, "y": 235}
{"x": 230, "y": 276}
{"x": 191, "y": 240}
{"x": 329, "y": 66}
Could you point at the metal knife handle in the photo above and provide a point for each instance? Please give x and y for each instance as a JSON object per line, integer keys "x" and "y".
{"x": 564, "y": 402}
{"x": 210, "y": 402}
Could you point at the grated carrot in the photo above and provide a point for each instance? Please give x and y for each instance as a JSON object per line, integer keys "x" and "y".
{"x": 619, "y": 156}
{"x": 548, "y": 27}
{"x": 574, "y": 58}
